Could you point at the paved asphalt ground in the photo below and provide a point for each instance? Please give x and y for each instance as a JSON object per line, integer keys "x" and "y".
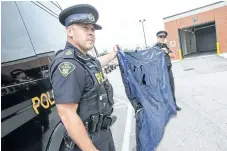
{"x": 201, "y": 92}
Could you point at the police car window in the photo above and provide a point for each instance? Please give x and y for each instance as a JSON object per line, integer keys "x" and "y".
{"x": 56, "y": 3}
{"x": 46, "y": 33}
{"x": 19, "y": 62}
{"x": 14, "y": 37}
{"x": 51, "y": 6}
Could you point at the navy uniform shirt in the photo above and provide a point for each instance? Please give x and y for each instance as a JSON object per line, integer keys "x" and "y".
{"x": 68, "y": 78}
{"x": 167, "y": 57}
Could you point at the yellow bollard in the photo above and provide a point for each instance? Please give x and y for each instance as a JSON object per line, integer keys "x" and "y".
{"x": 218, "y": 48}
{"x": 180, "y": 54}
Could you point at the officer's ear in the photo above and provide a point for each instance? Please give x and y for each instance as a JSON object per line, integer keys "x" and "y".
{"x": 69, "y": 31}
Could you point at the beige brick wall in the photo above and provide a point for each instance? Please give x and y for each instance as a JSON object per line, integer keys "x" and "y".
{"x": 218, "y": 15}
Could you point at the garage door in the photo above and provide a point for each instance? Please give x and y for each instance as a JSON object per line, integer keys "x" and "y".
{"x": 206, "y": 39}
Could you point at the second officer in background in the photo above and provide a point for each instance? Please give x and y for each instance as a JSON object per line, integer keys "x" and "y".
{"x": 161, "y": 36}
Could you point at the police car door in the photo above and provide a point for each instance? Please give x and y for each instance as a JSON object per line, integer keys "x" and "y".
{"x": 25, "y": 58}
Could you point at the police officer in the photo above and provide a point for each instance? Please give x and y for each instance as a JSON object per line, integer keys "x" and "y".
{"x": 84, "y": 99}
{"x": 161, "y": 36}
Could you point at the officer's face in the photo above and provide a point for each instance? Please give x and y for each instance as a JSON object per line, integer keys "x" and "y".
{"x": 83, "y": 35}
{"x": 161, "y": 39}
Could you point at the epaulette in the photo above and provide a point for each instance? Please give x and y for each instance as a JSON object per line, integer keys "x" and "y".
{"x": 66, "y": 53}
{"x": 69, "y": 53}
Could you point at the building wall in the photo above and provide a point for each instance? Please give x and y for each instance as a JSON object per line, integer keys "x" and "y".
{"x": 218, "y": 15}
{"x": 221, "y": 28}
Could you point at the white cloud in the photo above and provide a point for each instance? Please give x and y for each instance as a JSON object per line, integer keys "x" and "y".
{"x": 120, "y": 19}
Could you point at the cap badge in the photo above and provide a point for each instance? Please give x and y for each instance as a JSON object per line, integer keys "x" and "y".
{"x": 91, "y": 17}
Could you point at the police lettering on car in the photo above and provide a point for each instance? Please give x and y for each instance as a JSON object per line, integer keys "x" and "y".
{"x": 84, "y": 99}
{"x": 45, "y": 101}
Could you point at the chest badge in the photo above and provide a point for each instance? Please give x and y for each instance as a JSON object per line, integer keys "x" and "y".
{"x": 99, "y": 77}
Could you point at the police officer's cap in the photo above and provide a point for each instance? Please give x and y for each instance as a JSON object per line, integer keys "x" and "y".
{"x": 161, "y": 33}
{"x": 82, "y": 13}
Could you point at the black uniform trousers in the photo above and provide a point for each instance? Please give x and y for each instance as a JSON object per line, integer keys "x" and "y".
{"x": 172, "y": 84}
{"x": 102, "y": 140}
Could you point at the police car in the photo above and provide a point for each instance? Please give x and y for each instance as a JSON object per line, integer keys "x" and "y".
{"x": 31, "y": 33}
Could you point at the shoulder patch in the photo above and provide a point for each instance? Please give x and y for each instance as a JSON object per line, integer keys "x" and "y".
{"x": 66, "y": 68}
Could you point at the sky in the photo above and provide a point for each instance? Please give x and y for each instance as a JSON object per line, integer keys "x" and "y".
{"x": 120, "y": 19}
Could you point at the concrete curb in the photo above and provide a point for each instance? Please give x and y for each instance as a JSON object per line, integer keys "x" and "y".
{"x": 224, "y": 55}
{"x": 175, "y": 61}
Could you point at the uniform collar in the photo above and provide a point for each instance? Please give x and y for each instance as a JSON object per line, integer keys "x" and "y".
{"x": 78, "y": 52}
{"x": 69, "y": 45}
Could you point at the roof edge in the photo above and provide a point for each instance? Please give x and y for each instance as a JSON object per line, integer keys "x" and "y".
{"x": 168, "y": 17}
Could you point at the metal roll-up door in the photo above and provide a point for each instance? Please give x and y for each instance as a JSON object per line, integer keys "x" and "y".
{"x": 206, "y": 39}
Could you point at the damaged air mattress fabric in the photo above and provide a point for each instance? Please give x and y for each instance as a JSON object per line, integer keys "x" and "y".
{"x": 145, "y": 77}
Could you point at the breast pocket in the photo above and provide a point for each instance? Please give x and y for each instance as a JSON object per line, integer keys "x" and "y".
{"x": 104, "y": 105}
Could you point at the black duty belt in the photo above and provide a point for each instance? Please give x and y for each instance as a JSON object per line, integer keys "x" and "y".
{"x": 94, "y": 124}
{"x": 99, "y": 122}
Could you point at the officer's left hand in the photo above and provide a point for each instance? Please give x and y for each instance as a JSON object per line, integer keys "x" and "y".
{"x": 165, "y": 50}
